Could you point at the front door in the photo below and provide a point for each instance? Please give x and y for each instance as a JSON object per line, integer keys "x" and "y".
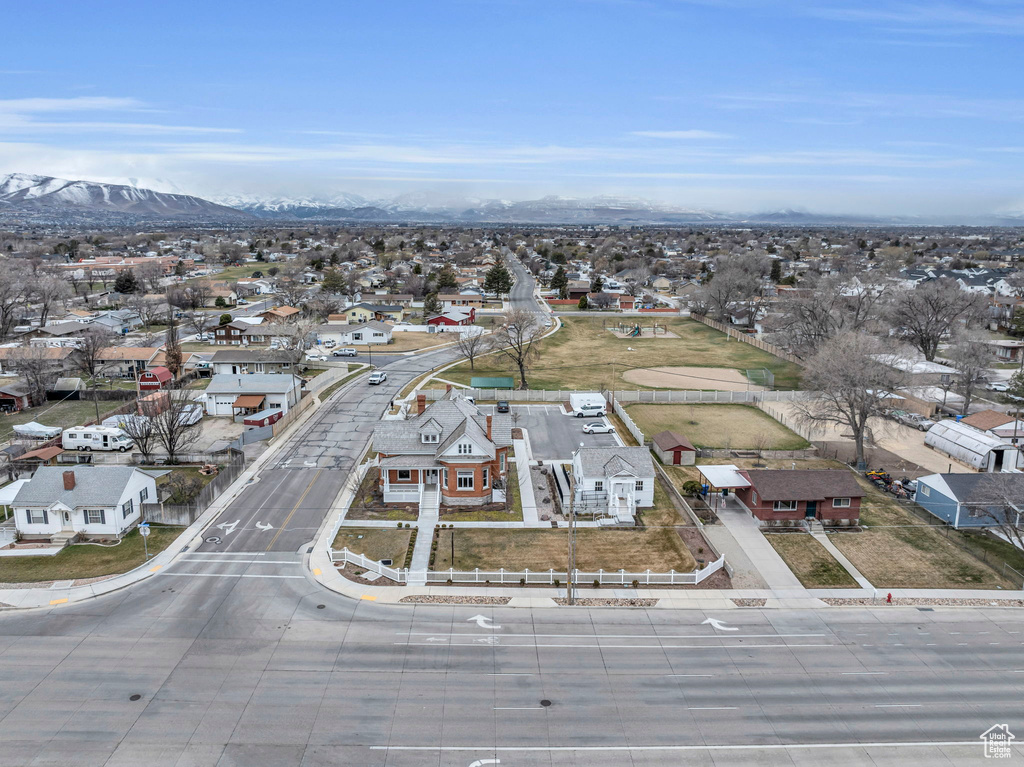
{"x": 65, "y": 521}
{"x": 812, "y": 510}
{"x": 430, "y": 476}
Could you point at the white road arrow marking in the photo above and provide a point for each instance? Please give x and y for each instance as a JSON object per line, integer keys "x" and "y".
{"x": 717, "y": 624}
{"x": 229, "y": 527}
{"x": 482, "y": 622}
{"x": 435, "y": 639}
{"x": 487, "y": 640}
{"x": 261, "y": 526}
{"x": 482, "y": 762}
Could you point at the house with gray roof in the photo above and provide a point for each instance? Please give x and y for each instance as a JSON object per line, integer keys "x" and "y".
{"x": 613, "y": 482}
{"x": 448, "y": 451}
{"x": 248, "y": 361}
{"x": 241, "y": 395}
{"x": 351, "y": 334}
{"x": 973, "y": 500}
{"x": 60, "y": 503}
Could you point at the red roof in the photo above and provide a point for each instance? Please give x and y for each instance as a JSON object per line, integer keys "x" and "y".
{"x": 161, "y": 374}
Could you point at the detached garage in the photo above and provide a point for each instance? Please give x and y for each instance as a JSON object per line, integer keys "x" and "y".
{"x": 674, "y": 449}
{"x": 971, "y": 446}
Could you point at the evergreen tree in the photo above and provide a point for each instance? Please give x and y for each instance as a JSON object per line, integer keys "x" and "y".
{"x": 596, "y": 284}
{"x": 333, "y": 282}
{"x": 431, "y": 305}
{"x": 560, "y": 280}
{"x": 584, "y": 303}
{"x": 446, "y": 279}
{"x": 498, "y": 280}
{"x": 776, "y": 274}
{"x": 126, "y": 282}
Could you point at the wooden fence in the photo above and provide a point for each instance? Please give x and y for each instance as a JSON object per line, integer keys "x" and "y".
{"x": 748, "y": 339}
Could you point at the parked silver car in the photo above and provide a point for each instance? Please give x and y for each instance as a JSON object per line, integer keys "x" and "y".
{"x": 916, "y": 420}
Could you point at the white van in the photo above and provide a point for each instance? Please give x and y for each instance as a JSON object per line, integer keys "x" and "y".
{"x": 96, "y": 438}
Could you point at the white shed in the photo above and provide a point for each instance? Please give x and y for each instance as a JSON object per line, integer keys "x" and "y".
{"x": 971, "y": 446}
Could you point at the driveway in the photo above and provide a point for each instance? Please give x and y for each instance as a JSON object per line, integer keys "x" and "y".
{"x": 553, "y": 435}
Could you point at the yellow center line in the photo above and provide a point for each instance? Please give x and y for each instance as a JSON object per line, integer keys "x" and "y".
{"x": 294, "y": 509}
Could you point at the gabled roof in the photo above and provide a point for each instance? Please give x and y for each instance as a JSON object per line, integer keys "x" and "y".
{"x": 449, "y": 415}
{"x": 251, "y": 355}
{"x": 94, "y": 486}
{"x": 987, "y": 419}
{"x": 979, "y": 488}
{"x": 670, "y": 440}
{"x": 611, "y": 461}
{"x": 263, "y": 383}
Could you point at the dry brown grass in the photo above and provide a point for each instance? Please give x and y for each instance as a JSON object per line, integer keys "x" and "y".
{"x": 717, "y": 426}
{"x": 810, "y": 562}
{"x": 375, "y": 543}
{"x": 659, "y": 550}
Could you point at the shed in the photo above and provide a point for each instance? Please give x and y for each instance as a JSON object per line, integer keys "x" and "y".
{"x": 971, "y": 446}
{"x": 154, "y": 379}
{"x": 674, "y": 449}
{"x": 263, "y": 418}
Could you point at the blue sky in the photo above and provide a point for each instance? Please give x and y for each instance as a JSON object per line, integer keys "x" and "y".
{"x": 834, "y": 106}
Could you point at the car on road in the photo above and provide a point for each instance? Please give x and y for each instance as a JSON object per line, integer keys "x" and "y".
{"x": 998, "y": 386}
{"x": 346, "y": 352}
{"x": 916, "y": 420}
{"x": 314, "y": 357}
{"x": 502, "y": 406}
{"x": 377, "y": 377}
{"x": 598, "y": 427}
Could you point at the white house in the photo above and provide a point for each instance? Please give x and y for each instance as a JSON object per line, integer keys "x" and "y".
{"x": 59, "y": 503}
{"x": 612, "y": 482}
{"x": 242, "y": 395}
{"x": 371, "y": 332}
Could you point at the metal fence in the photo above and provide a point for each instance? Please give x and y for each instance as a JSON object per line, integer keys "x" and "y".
{"x": 549, "y": 577}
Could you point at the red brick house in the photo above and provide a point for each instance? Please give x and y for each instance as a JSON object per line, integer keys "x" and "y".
{"x": 448, "y": 450}
{"x": 784, "y": 498}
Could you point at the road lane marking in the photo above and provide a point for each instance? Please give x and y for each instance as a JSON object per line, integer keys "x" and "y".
{"x": 58, "y": 601}
{"x": 862, "y": 673}
{"x": 711, "y": 708}
{"x": 295, "y": 508}
{"x": 897, "y": 705}
{"x": 627, "y": 636}
{"x": 631, "y": 646}
{"x": 689, "y": 674}
{"x": 230, "y": 575}
{"x": 518, "y": 708}
{"x": 743, "y": 747}
{"x": 246, "y": 562}
{"x": 510, "y": 674}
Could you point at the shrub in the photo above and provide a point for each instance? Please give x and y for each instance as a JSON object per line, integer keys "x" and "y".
{"x": 691, "y": 487}
{"x": 522, "y": 581}
{"x": 700, "y": 549}
{"x": 557, "y": 583}
{"x": 597, "y": 583}
{"x": 636, "y": 584}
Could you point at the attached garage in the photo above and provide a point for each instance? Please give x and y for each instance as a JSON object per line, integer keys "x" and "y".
{"x": 674, "y": 449}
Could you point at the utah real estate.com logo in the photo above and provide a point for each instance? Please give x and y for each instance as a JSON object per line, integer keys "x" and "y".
{"x": 998, "y": 740}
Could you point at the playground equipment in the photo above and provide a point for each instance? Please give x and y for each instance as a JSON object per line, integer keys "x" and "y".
{"x": 635, "y": 332}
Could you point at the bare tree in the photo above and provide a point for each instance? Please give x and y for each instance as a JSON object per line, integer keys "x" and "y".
{"x": 297, "y": 339}
{"x": 472, "y": 345}
{"x": 173, "y": 427}
{"x": 149, "y": 274}
{"x": 970, "y": 356}
{"x": 996, "y": 499}
{"x": 198, "y": 295}
{"x": 602, "y": 300}
{"x": 199, "y": 322}
{"x": 48, "y": 291}
{"x": 516, "y": 341}
{"x": 13, "y": 284}
{"x": 94, "y": 340}
{"x": 925, "y": 315}
{"x": 150, "y": 311}
{"x": 851, "y": 384}
{"x": 142, "y": 430}
{"x": 39, "y": 369}
{"x": 172, "y": 346}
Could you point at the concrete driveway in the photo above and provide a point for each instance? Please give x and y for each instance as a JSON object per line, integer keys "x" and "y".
{"x": 553, "y": 435}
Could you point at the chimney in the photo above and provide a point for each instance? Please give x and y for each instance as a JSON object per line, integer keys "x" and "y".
{"x": 447, "y": 388}
{"x": 421, "y": 403}
{"x": 69, "y": 480}
{"x": 489, "y": 426}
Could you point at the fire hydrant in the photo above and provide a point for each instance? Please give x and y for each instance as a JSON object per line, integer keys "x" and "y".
{"x": 888, "y": 598}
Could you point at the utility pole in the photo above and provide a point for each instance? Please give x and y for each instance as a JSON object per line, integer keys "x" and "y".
{"x": 571, "y": 596}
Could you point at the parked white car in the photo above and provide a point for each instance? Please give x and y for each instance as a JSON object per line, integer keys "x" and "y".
{"x": 998, "y": 386}
{"x": 598, "y": 427}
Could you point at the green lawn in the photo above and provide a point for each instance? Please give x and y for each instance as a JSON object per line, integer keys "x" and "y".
{"x": 739, "y": 427}
{"x": 87, "y": 561}
{"x": 582, "y": 355}
{"x": 515, "y": 506}
{"x": 810, "y": 562}
{"x": 375, "y": 543}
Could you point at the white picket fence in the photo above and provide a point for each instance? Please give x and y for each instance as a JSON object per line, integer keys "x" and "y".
{"x": 549, "y": 577}
{"x": 664, "y": 396}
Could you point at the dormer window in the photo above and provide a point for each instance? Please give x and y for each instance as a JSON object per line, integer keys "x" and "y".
{"x": 428, "y": 438}
{"x": 465, "y": 448}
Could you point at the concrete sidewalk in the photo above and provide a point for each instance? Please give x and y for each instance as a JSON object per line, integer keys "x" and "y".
{"x": 824, "y": 540}
{"x": 746, "y": 530}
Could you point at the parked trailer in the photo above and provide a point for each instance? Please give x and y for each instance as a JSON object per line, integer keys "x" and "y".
{"x": 96, "y": 438}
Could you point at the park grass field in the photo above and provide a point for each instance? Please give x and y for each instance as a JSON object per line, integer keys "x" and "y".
{"x": 739, "y": 427}
{"x": 583, "y": 355}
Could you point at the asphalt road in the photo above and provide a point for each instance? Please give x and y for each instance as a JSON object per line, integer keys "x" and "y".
{"x": 233, "y": 656}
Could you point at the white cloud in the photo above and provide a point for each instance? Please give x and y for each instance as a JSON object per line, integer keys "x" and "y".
{"x": 77, "y": 104}
{"x": 680, "y": 134}
{"x": 19, "y": 116}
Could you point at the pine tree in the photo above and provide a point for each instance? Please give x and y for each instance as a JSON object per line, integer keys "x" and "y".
{"x": 431, "y": 305}
{"x": 776, "y": 274}
{"x": 498, "y": 280}
{"x": 584, "y": 303}
{"x": 560, "y": 280}
{"x": 126, "y": 282}
{"x": 596, "y": 284}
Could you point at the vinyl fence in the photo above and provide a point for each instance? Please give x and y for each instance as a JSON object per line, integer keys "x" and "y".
{"x": 548, "y": 577}
{"x": 631, "y": 427}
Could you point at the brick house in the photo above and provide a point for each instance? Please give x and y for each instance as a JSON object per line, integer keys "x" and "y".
{"x": 784, "y": 498}
{"x": 452, "y": 318}
{"x": 449, "y": 447}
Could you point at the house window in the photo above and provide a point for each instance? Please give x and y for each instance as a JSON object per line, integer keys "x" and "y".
{"x": 465, "y": 480}
{"x": 465, "y": 448}
{"x": 234, "y": 332}
{"x": 126, "y": 509}
{"x": 36, "y": 517}
{"x": 598, "y": 485}
{"x": 639, "y": 486}
{"x": 785, "y": 506}
{"x": 486, "y": 478}
{"x": 925, "y": 490}
{"x": 502, "y": 463}
{"x": 444, "y": 478}
{"x": 753, "y": 497}
{"x": 840, "y": 503}
{"x": 143, "y": 494}
{"x": 430, "y": 438}
{"x": 404, "y": 475}
{"x": 94, "y": 517}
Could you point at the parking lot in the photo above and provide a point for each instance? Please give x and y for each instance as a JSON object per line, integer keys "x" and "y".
{"x": 553, "y": 435}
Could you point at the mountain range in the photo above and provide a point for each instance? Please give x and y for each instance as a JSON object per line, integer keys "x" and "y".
{"x": 44, "y": 198}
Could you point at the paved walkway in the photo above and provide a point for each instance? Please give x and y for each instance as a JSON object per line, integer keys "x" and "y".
{"x": 526, "y": 495}
{"x": 823, "y": 539}
{"x": 746, "y": 531}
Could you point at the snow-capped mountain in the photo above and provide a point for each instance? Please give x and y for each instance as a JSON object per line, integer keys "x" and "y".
{"x": 22, "y": 192}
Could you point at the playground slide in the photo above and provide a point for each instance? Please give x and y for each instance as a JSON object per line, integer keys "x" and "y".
{"x": 636, "y": 332}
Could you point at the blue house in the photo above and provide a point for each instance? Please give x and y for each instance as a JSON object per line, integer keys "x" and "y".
{"x": 972, "y": 500}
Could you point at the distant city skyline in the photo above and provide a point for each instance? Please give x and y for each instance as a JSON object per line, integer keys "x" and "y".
{"x": 871, "y": 108}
